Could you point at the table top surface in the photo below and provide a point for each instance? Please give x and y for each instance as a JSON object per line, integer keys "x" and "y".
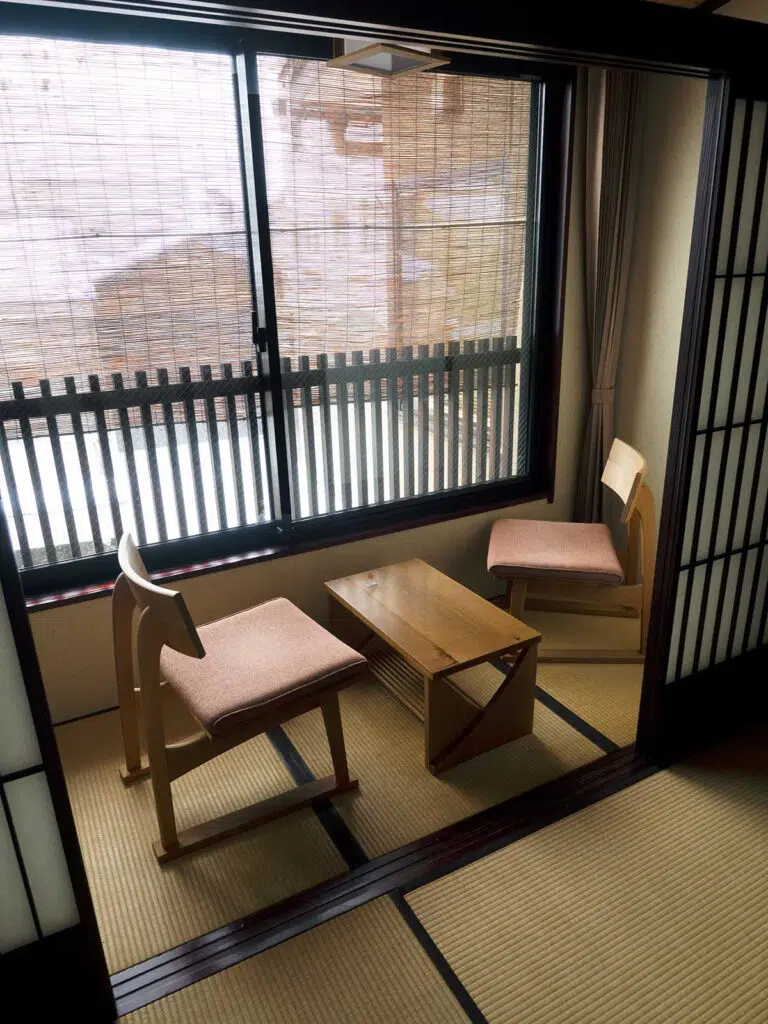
{"x": 436, "y": 624}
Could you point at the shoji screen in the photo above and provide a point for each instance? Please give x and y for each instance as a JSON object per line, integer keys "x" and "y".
{"x": 36, "y": 896}
{"x": 50, "y": 952}
{"x": 721, "y": 610}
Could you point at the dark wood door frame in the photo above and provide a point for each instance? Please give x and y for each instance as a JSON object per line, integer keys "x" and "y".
{"x": 641, "y": 35}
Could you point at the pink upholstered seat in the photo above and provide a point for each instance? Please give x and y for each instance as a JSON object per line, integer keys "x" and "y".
{"x": 253, "y": 661}
{"x": 529, "y": 549}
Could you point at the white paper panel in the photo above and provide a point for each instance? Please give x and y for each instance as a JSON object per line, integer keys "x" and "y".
{"x": 750, "y": 188}
{"x": 750, "y": 355}
{"x": 709, "y": 362}
{"x": 742, "y": 499}
{"x": 17, "y": 927}
{"x": 710, "y": 598}
{"x": 722, "y": 386}
{"x": 674, "y": 646}
{"x": 690, "y": 516}
{"x": 696, "y": 609}
{"x": 756, "y": 532}
{"x": 723, "y": 624}
{"x": 761, "y": 387}
{"x": 38, "y": 835}
{"x": 743, "y": 597}
{"x": 710, "y": 498}
{"x": 761, "y": 253}
{"x": 730, "y": 189}
{"x": 18, "y": 742}
{"x": 726, "y": 495}
{"x": 754, "y": 631}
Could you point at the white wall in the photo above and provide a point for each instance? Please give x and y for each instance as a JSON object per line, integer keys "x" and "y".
{"x": 74, "y": 642}
{"x": 669, "y": 134}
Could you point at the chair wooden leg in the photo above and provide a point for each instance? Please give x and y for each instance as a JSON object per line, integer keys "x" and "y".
{"x": 335, "y": 732}
{"x": 127, "y": 697}
{"x": 516, "y": 591}
{"x": 149, "y": 648}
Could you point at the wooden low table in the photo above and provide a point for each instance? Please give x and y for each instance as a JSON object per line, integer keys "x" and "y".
{"x": 435, "y": 631}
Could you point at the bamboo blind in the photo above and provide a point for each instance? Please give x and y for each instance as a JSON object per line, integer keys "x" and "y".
{"x": 122, "y": 243}
{"x": 397, "y": 206}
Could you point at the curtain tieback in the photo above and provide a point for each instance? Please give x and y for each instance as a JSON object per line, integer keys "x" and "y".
{"x": 602, "y": 396}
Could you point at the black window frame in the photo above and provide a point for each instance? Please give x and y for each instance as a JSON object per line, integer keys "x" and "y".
{"x": 285, "y": 535}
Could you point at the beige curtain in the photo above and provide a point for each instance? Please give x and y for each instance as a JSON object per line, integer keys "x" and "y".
{"x": 608, "y": 198}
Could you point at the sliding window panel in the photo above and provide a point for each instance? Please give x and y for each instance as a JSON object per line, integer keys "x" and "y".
{"x": 398, "y": 215}
{"x": 126, "y": 300}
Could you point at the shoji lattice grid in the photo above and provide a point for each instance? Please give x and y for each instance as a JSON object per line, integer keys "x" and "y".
{"x": 36, "y": 897}
{"x": 721, "y": 609}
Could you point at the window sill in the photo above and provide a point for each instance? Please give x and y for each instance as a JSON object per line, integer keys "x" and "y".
{"x": 305, "y": 536}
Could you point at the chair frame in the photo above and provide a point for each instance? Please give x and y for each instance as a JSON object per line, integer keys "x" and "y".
{"x": 164, "y": 620}
{"x": 624, "y": 474}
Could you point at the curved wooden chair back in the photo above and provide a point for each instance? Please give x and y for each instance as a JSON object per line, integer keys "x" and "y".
{"x": 624, "y": 473}
{"x": 167, "y": 608}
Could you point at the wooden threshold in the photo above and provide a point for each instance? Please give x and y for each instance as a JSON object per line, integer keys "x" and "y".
{"x": 409, "y": 867}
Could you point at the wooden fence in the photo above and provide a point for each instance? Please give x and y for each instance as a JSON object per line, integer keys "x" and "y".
{"x": 182, "y": 457}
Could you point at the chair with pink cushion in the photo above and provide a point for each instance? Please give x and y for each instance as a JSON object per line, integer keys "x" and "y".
{"x": 574, "y": 567}
{"x": 238, "y": 677}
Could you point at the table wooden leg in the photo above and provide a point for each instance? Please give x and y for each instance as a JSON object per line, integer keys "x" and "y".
{"x": 454, "y": 735}
{"x": 447, "y": 713}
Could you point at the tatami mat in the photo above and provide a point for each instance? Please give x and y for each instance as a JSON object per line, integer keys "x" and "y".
{"x": 563, "y": 630}
{"x": 398, "y": 800}
{"x": 606, "y": 696}
{"x": 144, "y": 909}
{"x": 649, "y": 906}
{"x": 363, "y": 968}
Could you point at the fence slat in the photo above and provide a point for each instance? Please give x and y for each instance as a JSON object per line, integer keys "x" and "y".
{"x": 190, "y": 414}
{"x": 61, "y": 475}
{"x": 308, "y": 419}
{"x": 234, "y": 444}
{"x": 342, "y": 411}
{"x": 361, "y": 431}
{"x": 377, "y": 437}
{"x": 393, "y": 418}
{"x": 173, "y": 451}
{"x": 213, "y": 441}
{"x": 467, "y": 418}
{"x": 130, "y": 458}
{"x": 254, "y": 431}
{"x": 290, "y": 428}
{"x": 148, "y": 429}
{"x": 423, "y": 423}
{"x": 85, "y": 470}
{"x": 507, "y": 412}
{"x": 494, "y": 414}
{"x": 13, "y": 494}
{"x": 34, "y": 472}
{"x": 106, "y": 458}
{"x": 438, "y": 420}
{"x": 454, "y": 383}
{"x": 326, "y": 432}
{"x": 409, "y": 440}
{"x": 482, "y": 416}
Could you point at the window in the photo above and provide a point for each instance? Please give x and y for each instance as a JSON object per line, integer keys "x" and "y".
{"x": 224, "y": 313}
